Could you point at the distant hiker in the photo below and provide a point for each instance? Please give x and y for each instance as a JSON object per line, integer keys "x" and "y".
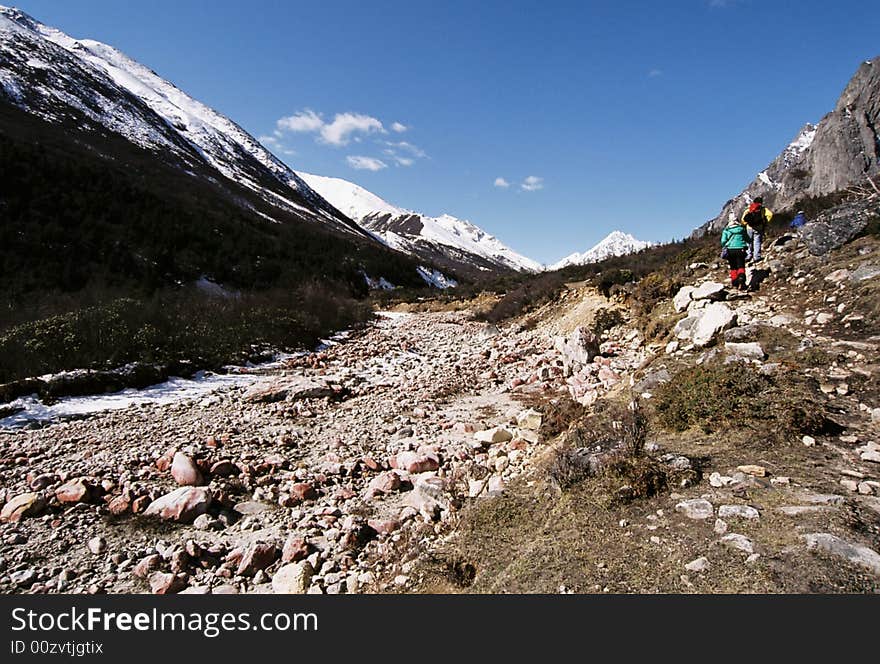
{"x": 756, "y": 217}
{"x": 734, "y": 242}
{"x": 799, "y": 220}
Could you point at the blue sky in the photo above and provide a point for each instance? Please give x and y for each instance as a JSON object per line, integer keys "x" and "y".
{"x": 641, "y": 116}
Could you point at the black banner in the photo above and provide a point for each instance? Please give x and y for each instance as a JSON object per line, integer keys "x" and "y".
{"x": 225, "y": 628}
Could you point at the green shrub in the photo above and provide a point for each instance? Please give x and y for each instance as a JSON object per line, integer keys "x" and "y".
{"x": 736, "y": 396}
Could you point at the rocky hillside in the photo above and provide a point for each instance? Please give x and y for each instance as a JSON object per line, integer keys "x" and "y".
{"x": 96, "y": 88}
{"x": 841, "y": 151}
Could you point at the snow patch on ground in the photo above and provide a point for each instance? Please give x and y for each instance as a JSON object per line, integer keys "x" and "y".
{"x": 436, "y": 278}
{"x": 174, "y": 389}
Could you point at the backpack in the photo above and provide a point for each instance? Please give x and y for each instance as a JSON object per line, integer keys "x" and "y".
{"x": 756, "y": 219}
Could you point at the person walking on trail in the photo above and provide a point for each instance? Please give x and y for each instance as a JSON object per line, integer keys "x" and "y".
{"x": 799, "y": 220}
{"x": 756, "y": 217}
{"x": 734, "y": 243}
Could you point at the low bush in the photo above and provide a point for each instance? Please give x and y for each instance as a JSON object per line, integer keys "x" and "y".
{"x": 737, "y": 397}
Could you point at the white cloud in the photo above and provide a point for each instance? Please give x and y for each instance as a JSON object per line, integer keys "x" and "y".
{"x": 532, "y": 183}
{"x": 346, "y": 124}
{"x": 365, "y": 163}
{"x": 404, "y": 161}
{"x": 399, "y": 127}
{"x": 306, "y": 120}
{"x": 414, "y": 150}
{"x": 654, "y": 73}
{"x": 501, "y": 183}
{"x": 340, "y": 131}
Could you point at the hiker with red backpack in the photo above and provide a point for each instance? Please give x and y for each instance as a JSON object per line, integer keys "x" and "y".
{"x": 734, "y": 243}
{"x": 756, "y": 218}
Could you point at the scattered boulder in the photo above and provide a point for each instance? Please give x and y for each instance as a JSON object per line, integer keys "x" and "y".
{"x": 415, "y": 462}
{"x": 295, "y": 549}
{"x": 97, "y": 545}
{"x": 386, "y": 482}
{"x": 74, "y": 491}
{"x": 699, "y": 565}
{"x": 715, "y": 318}
{"x": 529, "y": 419}
{"x": 835, "y": 227}
{"x": 493, "y": 435}
{"x": 165, "y": 583}
{"x": 577, "y": 349}
{"x": 289, "y": 388}
{"x": 740, "y": 542}
{"x": 746, "y": 351}
{"x": 257, "y": 556}
{"x": 710, "y": 290}
{"x": 865, "y": 272}
{"x": 702, "y": 325}
{"x": 22, "y": 506}
{"x": 293, "y": 578}
{"x": 738, "y": 511}
{"x": 854, "y": 553}
{"x": 682, "y": 298}
{"x": 696, "y": 508}
{"x": 184, "y": 470}
{"x": 183, "y": 504}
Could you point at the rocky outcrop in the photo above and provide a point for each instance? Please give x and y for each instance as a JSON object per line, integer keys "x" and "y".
{"x": 823, "y": 159}
{"x": 837, "y": 226}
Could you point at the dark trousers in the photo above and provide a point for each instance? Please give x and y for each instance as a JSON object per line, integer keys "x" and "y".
{"x": 737, "y": 260}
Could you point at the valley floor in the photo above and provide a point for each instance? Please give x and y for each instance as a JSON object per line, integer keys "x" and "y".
{"x": 413, "y": 458}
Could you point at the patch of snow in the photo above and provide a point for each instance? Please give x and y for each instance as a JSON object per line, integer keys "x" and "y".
{"x": 393, "y": 315}
{"x": 172, "y": 390}
{"x": 436, "y": 278}
{"x": 378, "y": 284}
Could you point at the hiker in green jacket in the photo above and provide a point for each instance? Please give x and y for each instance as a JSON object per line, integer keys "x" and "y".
{"x": 734, "y": 243}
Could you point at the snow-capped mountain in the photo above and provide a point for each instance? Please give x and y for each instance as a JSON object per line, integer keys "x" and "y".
{"x": 446, "y": 240}
{"x": 616, "y": 243}
{"x": 95, "y": 87}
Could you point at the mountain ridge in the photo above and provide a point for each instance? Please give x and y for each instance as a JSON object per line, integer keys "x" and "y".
{"x": 419, "y": 234}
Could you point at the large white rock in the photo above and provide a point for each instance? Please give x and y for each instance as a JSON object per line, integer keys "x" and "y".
{"x": 493, "y": 435}
{"x": 711, "y": 290}
{"x": 577, "y": 349}
{"x": 529, "y": 419}
{"x": 854, "y": 553}
{"x": 715, "y": 318}
{"x": 697, "y": 508}
{"x": 183, "y": 504}
{"x": 682, "y": 298}
{"x": 750, "y": 351}
{"x": 293, "y": 578}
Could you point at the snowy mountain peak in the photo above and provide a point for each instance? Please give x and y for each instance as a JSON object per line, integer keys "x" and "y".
{"x": 349, "y": 198}
{"x": 416, "y": 233}
{"x": 616, "y": 243}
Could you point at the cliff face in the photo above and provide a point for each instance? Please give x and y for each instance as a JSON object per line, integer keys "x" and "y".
{"x": 847, "y": 146}
{"x": 823, "y": 159}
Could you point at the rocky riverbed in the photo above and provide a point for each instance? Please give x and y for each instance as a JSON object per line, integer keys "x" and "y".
{"x": 303, "y": 481}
